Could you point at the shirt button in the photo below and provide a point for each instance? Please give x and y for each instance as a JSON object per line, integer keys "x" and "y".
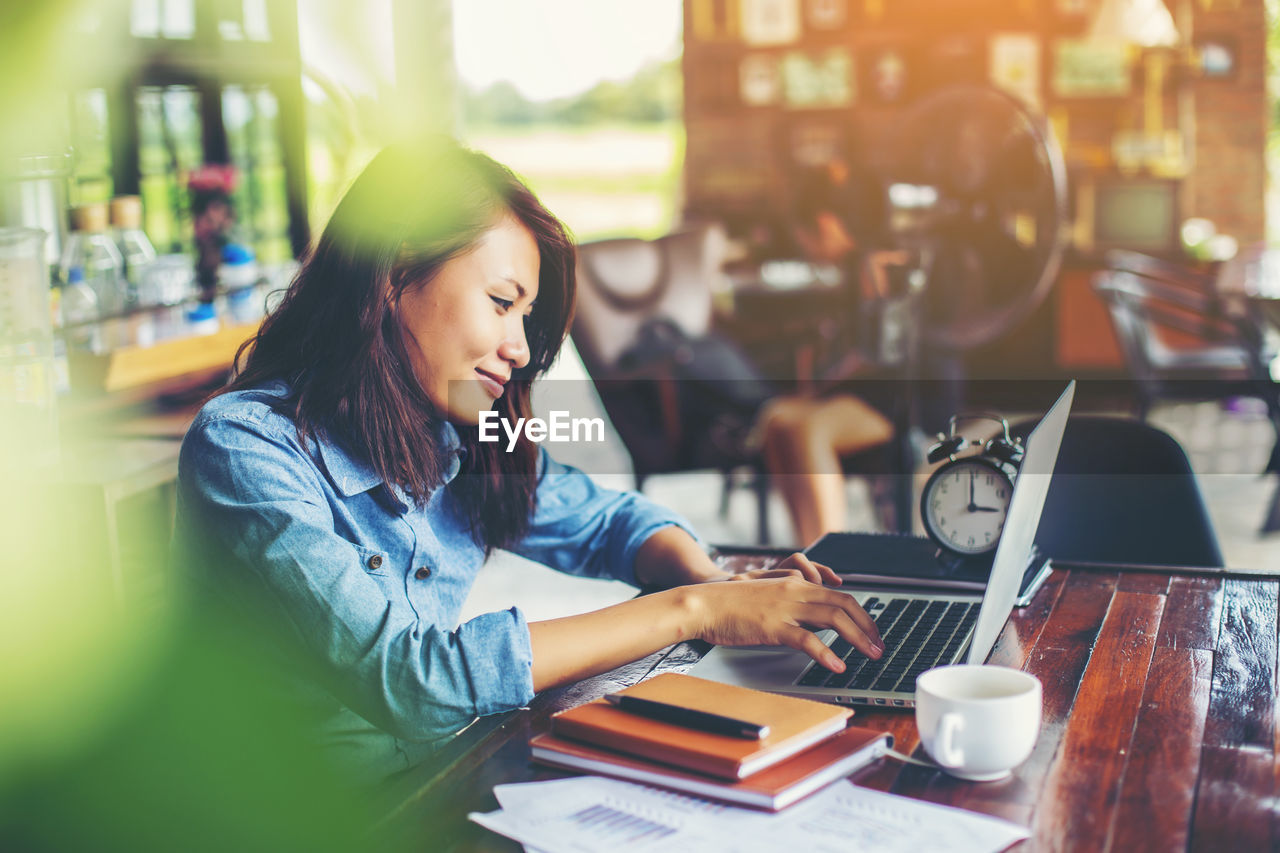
{"x": 375, "y": 562}
{"x": 422, "y": 573}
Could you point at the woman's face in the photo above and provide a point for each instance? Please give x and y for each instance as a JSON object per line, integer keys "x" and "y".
{"x": 464, "y": 329}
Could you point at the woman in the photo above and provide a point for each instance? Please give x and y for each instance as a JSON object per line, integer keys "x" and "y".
{"x": 338, "y": 486}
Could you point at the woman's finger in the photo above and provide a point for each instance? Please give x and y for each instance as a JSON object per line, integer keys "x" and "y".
{"x": 821, "y": 574}
{"x": 829, "y": 576}
{"x": 850, "y": 605}
{"x": 807, "y": 568}
{"x": 762, "y": 574}
{"x": 807, "y": 642}
{"x": 860, "y": 617}
{"x": 833, "y": 616}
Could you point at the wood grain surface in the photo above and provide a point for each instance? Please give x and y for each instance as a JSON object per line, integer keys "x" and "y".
{"x": 1159, "y": 725}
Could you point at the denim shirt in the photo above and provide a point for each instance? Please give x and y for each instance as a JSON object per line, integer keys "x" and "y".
{"x": 368, "y": 585}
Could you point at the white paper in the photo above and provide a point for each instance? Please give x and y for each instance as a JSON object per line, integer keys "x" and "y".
{"x": 849, "y": 817}
{"x": 589, "y": 813}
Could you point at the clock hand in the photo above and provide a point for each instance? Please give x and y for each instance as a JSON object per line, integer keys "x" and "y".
{"x": 975, "y": 508}
{"x": 972, "y": 506}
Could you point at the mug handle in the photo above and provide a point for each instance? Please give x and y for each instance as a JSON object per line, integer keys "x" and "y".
{"x": 948, "y": 754}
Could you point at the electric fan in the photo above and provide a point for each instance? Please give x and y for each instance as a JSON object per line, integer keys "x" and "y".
{"x": 978, "y": 192}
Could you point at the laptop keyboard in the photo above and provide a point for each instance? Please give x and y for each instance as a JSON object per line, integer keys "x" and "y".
{"x": 918, "y": 635}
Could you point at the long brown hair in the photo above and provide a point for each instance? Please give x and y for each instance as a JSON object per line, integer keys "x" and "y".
{"x": 335, "y": 340}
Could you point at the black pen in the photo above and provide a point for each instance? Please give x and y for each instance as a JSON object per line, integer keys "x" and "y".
{"x": 688, "y": 717}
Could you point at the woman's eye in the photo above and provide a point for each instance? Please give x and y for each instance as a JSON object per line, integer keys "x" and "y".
{"x": 504, "y": 304}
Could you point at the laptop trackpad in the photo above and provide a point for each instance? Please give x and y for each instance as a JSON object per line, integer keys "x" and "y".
{"x": 766, "y": 667}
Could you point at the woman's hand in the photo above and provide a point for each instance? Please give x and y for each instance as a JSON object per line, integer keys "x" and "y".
{"x": 795, "y": 566}
{"x": 781, "y": 607}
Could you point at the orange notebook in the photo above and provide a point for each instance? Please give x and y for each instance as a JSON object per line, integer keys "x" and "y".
{"x": 774, "y": 788}
{"x": 794, "y": 724}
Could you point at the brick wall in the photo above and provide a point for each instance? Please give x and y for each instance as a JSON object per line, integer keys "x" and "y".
{"x": 731, "y": 173}
{"x": 1227, "y": 183}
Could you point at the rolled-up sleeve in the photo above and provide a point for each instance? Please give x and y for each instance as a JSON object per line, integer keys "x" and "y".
{"x": 256, "y": 497}
{"x": 584, "y": 529}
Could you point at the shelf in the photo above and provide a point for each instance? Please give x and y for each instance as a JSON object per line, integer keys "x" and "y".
{"x": 133, "y": 366}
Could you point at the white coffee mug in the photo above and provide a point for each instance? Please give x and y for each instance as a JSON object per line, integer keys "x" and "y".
{"x": 978, "y": 722}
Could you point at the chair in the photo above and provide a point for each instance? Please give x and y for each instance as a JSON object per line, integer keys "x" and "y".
{"x": 1179, "y": 338}
{"x": 1123, "y": 492}
{"x": 627, "y": 288}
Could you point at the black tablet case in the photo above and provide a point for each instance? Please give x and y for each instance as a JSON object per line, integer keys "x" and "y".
{"x": 891, "y": 559}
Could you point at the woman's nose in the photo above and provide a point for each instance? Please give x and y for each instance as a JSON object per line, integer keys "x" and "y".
{"x": 514, "y": 347}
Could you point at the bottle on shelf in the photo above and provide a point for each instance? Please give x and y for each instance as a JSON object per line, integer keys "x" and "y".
{"x": 239, "y": 273}
{"x": 78, "y": 312}
{"x": 202, "y": 319}
{"x": 92, "y": 250}
{"x": 135, "y": 248}
{"x": 167, "y": 285}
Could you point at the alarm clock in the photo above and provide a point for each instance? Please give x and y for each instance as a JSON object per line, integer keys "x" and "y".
{"x": 965, "y": 501}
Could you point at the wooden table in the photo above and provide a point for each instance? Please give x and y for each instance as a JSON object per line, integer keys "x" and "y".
{"x": 1159, "y": 727}
{"x": 122, "y": 494}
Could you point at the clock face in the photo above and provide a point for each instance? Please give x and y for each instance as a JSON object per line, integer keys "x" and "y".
{"x": 964, "y": 505}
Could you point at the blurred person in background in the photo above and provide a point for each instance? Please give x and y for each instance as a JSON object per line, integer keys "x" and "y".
{"x": 839, "y": 218}
{"x": 339, "y": 491}
{"x": 803, "y": 439}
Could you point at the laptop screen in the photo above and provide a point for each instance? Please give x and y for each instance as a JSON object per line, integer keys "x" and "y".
{"x": 1020, "y": 525}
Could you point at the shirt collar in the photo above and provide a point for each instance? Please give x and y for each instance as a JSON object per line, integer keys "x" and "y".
{"x": 352, "y": 475}
{"x": 451, "y": 442}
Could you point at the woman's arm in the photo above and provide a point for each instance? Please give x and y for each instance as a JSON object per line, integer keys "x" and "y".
{"x": 671, "y": 557}
{"x": 779, "y": 607}
{"x": 577, "y": 647}
{"x": 584, "y": 529}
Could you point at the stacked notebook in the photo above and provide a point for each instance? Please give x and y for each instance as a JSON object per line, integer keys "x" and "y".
{"x": 808, "y": 745}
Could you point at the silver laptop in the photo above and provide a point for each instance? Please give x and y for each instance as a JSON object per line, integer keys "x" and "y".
{"x": 920, "y": 630}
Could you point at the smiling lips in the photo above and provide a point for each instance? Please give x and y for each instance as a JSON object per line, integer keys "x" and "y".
{"x": 492, "y": 382}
